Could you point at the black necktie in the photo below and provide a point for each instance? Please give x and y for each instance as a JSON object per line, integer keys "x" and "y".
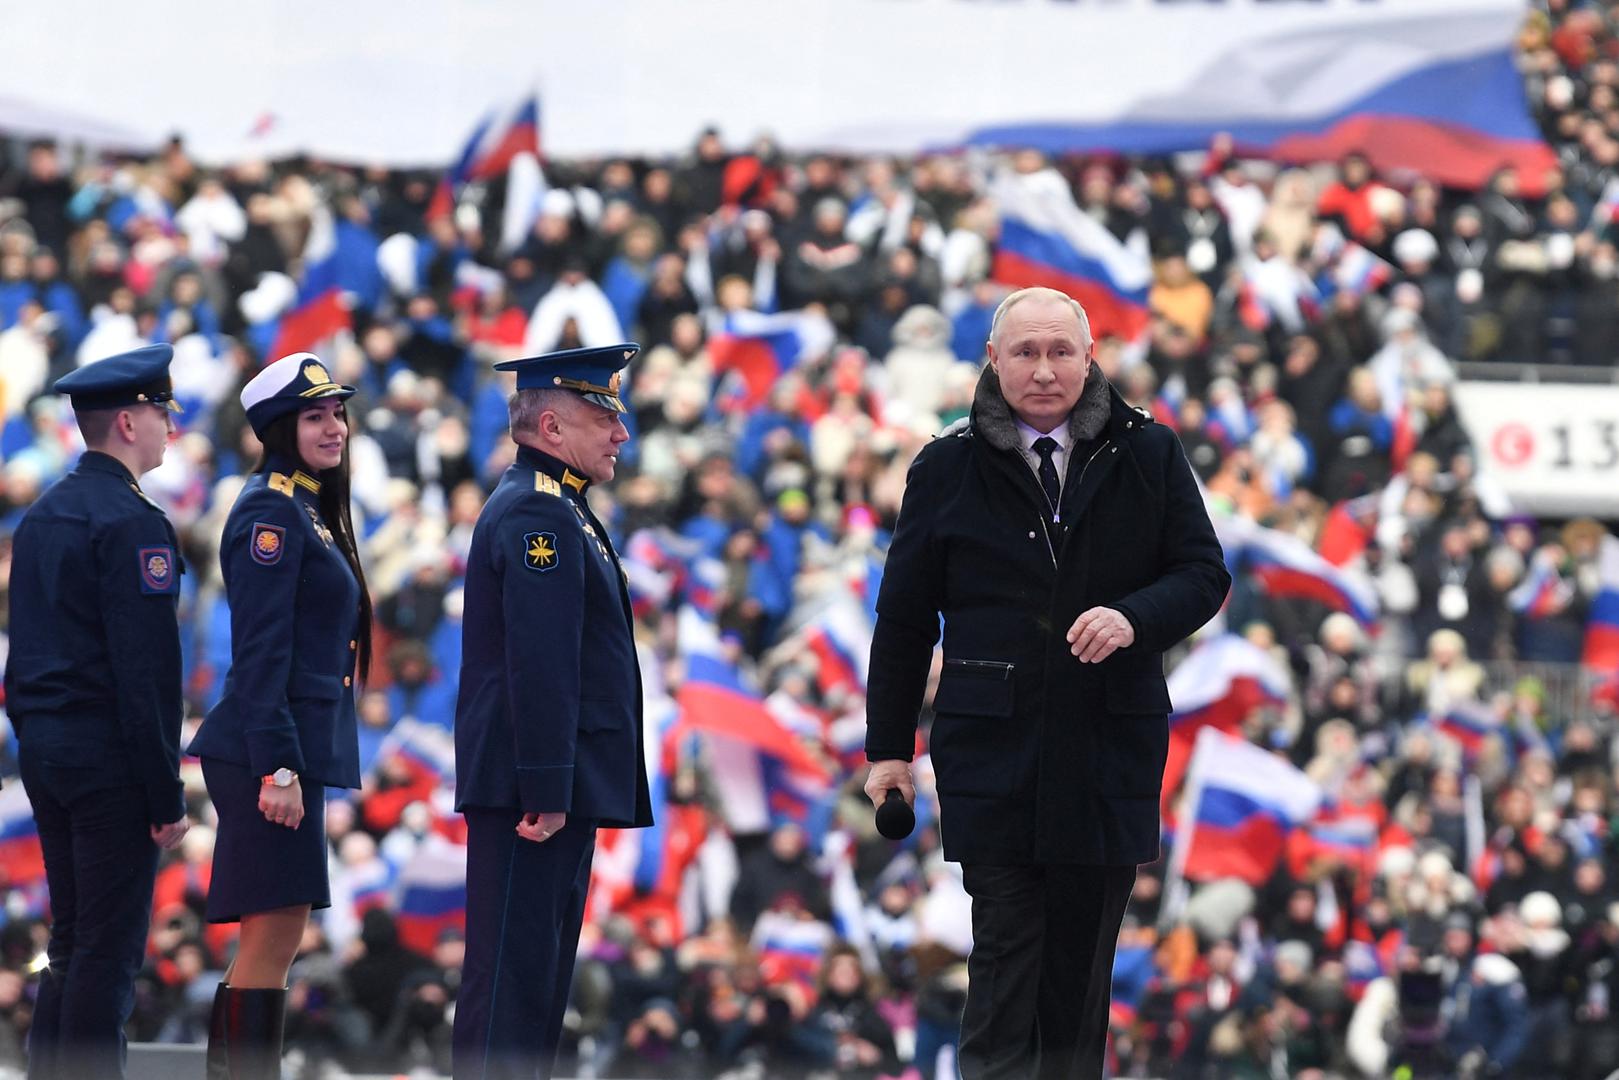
{"x": 1045, "y": 446}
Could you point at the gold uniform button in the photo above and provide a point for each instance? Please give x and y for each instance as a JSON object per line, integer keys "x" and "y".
{"x": 348, "y": 681}
{"x": 353, "y": 645}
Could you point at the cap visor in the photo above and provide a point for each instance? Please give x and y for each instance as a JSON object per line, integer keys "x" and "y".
{"x": 330, "y": 390}
{"x": 606, "y": 401}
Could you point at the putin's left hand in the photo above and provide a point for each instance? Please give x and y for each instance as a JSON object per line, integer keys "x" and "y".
{"x": 1098, "y": 633}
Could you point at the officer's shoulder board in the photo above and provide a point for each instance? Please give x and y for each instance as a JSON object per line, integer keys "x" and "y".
{"x": 286, "y": 485}
{"x": 143, "y": 497}
{"x": 546, "y": 485}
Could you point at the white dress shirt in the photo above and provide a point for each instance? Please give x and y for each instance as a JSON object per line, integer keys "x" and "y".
{"x": 1059, "y": 456}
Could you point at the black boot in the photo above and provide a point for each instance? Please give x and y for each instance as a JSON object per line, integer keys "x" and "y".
{"x": 218, "y": 1062}
{"x": 244, "y": 1038}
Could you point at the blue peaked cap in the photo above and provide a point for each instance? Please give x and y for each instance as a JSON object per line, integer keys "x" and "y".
{"x": 137, "y": 377}
{"x": 594, "y": 374}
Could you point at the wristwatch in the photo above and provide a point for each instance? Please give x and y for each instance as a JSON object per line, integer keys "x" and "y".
{"x": 282, "y": 777}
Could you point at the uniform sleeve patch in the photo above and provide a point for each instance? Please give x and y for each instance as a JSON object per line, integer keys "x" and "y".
{"x": 267, "y": 543}
{"x": 540, "y": 551}
{"x": 158, "y": 570}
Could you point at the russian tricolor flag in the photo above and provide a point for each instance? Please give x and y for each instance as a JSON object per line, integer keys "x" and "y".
{"x": 1351, "y": 840}
{"x": 321, "y": 308}
{"x": 1602, "y": 630}
{"x": 840, "y": 638}
{"x": 1219, "y": 683}
{"x": 1542, "y": 591}
{"x": 1348, "y": 530}
{"x": 714, "y": 698}
{"x": 1469, "y": 723}
{"x": 432, "y": 893}
{"x": 428, "y": 749}
{"x": 1282, "y": 565}
{"x": 370, "y": 884}
{"x": 22, "y": 862}
{"x": 790, "y": 948}
{"x": 1244, "y": 802}
{"x": 761, "y": 347}
{"x": 1046, "y": 239}
{"x": 489, "y": 151}
{"x": 1355, "y": 270}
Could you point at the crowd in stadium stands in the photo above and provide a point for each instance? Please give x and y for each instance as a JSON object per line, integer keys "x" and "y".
{"x": 1305, "y": 326}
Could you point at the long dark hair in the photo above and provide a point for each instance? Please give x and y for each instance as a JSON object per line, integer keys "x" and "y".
{"x": 280, "y": 439}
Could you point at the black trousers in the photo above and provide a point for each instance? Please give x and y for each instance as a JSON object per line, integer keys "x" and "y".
{"x": 100, "y": 864}
{"x": 525, "y": 906}
{"x": 1041, "y": 969}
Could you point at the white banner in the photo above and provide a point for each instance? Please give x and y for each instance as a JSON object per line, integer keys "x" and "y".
{"x": 404, "y": 83}
{"x": 1551, "y": 449}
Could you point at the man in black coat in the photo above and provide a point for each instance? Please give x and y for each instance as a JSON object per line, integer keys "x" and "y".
{"x": 1062, "y": 537}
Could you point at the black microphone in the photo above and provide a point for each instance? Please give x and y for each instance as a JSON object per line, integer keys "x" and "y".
{"x": 895, "y": 818}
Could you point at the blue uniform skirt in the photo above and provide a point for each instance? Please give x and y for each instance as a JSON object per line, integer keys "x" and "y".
{"x": 258, "y": 865}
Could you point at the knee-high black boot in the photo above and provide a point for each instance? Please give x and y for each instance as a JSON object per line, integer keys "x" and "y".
{"x": 244, "y": 1034}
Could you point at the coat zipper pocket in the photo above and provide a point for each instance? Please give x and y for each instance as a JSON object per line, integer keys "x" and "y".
{"x": 987, "y": 669}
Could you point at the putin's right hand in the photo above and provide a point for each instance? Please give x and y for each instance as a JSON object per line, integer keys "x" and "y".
{"x": 890, "y": 774}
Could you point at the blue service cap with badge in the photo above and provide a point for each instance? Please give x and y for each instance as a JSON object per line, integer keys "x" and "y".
{"x": 137, "y": 377}
{"x": 594, "y": 374}
{"x": 288, "y": 385}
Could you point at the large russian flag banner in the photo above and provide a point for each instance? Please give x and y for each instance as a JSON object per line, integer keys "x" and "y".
{"x": 1244, "y": 802}
{"x": 1046, "y": 239}
{"x": 1426, "y": 87}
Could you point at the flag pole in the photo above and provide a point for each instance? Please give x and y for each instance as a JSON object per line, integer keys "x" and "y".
{"x": 1176, "y": 891}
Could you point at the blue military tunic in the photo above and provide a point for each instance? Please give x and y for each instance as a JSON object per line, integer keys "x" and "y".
{"x": 548, "y": 721}
{"x": 549, "y": 713}
{"x": 93, "y": 679}
{"x": 93, "y": 689}
{"x": 294, "y": 609}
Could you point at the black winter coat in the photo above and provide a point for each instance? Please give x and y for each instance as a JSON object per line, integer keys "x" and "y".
{"x": 1039, "y": 758}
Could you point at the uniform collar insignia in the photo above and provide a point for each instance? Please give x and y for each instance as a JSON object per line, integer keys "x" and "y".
{"x": 305, "y": 481}
{"x": 529, "y": 457}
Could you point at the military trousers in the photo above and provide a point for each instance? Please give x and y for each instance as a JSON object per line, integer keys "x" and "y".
{"x": 525, "y": 905}
{"x": 100, "y": 865}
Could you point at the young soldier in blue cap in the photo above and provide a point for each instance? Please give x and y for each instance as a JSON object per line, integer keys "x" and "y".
{"x": 284, "y": 730}
{"x": 93, "y": 690}
{"x": 548, "y": 743}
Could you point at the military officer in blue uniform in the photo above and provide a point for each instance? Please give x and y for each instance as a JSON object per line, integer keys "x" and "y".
{"x": 548, "y": 740}
{"x": 93, "y": 689}
{"x": 284, "y": 730}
